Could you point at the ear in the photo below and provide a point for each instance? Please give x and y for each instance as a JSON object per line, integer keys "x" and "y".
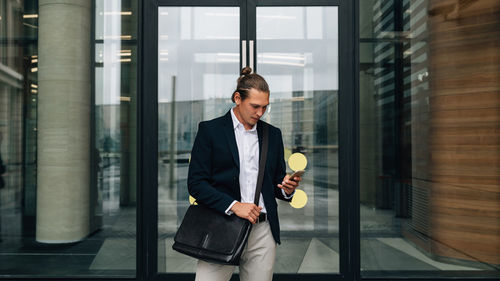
{"x": 237, "y": 98}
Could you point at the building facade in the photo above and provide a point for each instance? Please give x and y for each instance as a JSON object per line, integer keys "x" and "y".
{"x": 392, "y": 108}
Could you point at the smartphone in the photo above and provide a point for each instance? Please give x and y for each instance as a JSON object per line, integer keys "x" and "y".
{"x": 297, "y": 173}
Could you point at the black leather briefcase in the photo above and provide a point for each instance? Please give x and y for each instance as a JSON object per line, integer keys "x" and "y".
{"x": 211, "y": 236}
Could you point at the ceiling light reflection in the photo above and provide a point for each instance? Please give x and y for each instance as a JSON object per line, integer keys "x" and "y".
{"x": 123, "y": 37}
{"x": 282, "y": 63}
{"x": 30, "y": 25}
{"x": 228, "y": 54}
{"x": 222, "y": 14}
{"x": 287, "y": 57}
{"x": 116, "y": 13}
{"x": 227, "y": 60}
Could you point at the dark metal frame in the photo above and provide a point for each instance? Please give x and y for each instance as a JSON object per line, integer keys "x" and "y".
{"x": 148, "y": 113}
{"x": 349, "y": 215}
{"x": 147, "y": 152}
{"x": 349, "y": 140}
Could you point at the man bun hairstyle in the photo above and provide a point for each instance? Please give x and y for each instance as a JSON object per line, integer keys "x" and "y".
{"x": 247, "y": 81}
{"x": 245, "y": 71}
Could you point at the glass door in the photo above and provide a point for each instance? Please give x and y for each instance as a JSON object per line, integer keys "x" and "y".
{"x": 200, "y": 51}
{"x": 198, "y": 64}
{"x": 297, "y": 52}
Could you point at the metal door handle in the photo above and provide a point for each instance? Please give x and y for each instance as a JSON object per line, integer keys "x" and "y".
{"x": 243, "y": 53}
{"x": 251, "y": 54}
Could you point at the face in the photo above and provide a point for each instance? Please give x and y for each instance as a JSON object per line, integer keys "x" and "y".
{"x": 250, "y": 110}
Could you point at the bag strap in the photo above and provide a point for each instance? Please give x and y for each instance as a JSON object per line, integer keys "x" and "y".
{"x": 262, "y": 163}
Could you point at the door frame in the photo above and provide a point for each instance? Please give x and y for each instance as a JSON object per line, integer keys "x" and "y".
{"x": 147, "y": 158}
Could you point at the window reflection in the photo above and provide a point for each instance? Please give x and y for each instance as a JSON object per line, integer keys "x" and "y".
{"x": 199, "y": 54}
{"x": 427, "y": 175}
{"x": 302, "y": 71}
{"x": 67, "y": 200}
{"x": 297, "y": 52}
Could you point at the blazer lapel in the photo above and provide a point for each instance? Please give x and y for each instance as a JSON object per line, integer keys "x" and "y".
{"x": 231, "y": 139}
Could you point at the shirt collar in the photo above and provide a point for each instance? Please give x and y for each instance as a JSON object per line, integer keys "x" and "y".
{"x": 237, "y": 122}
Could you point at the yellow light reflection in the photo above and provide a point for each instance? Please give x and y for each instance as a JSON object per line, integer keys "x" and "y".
{"x": 299, "y": 199}
{"x": 297, "y": 161}
{"x": 192, "y": 200}
{"x": 288, "y": 153}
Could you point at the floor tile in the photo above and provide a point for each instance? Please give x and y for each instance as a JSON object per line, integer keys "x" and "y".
{"x": 319, "y": 258}
{"x": 408, "y": 249}
{"x": 116, "y": 254}
{"x": 376, "y": 255}
{"x": 289, "y": 254}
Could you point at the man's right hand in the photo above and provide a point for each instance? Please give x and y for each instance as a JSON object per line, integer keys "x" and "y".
{"x": 248, "y": 211}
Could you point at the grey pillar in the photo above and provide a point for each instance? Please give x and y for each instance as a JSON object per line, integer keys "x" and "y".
{"x": 64, "y": 105}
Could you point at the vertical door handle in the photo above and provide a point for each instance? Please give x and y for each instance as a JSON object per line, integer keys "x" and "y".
{"x": 243, "y": 53}
{"x": 251, "y": 54}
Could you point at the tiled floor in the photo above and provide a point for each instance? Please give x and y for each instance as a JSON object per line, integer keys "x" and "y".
{"x": 294, "y": 255}
{"x": 313, "y": 249}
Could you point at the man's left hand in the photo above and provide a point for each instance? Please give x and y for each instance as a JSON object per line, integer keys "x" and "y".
{"x": 289, "y": 185}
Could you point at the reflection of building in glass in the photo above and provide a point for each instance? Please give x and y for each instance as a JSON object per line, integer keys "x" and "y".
{"x": 18, "y": 112}
{"x": 56, "y": 184}
{"x": 435, "y": 114}
{"x": 308, "y": 124}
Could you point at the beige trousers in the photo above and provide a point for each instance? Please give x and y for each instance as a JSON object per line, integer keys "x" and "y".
{"x": 256, "y": 263}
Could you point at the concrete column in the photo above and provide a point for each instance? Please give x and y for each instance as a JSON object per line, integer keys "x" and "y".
{"x": 64, "y": 105}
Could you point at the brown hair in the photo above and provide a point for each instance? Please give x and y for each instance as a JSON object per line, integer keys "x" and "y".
{"x": 249, "y": 80}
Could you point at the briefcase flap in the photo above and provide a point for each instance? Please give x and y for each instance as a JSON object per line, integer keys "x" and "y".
{"x": 203, "y": 227}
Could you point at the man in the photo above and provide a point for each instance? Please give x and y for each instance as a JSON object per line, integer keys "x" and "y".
{"x": 223, "y": 175}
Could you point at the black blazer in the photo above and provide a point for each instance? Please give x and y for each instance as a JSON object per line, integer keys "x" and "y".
{"x": 213, "y": 177}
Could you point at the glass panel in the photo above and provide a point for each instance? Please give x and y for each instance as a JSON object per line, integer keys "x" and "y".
{"x": 429, "y": 115}
{"x": 115, "y": 111}
{"x": 199, "y": 50}
{"x": 297, "y": 52}
{"x": 67, "y": 183}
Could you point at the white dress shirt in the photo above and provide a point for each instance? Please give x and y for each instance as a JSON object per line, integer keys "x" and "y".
{"x": 248, "y": 152}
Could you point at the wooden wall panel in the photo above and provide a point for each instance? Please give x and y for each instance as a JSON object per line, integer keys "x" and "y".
{"x": 464, "y": 136}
